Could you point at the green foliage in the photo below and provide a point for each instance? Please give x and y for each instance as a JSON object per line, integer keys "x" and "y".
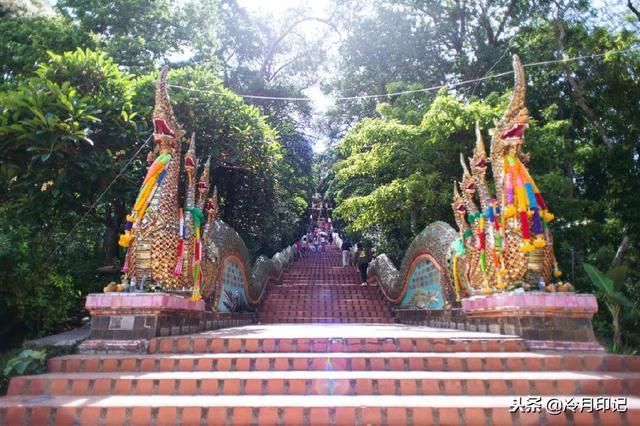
{"x": 64, "y": 133}
{"x": 18, "y": 362}
{"x": 259, "y": 174}
{"x": 583, "y": 137}
{"x": 28, "y": 362}
{"x": 134, "y": 32}
{"x": 17, "y": 8}
{"x": 394, "y": 178}
{"x": 36, "y": 295}
{"x": 15, "y": 363}
{"x": 398, "y": 44}
{"x": 71, "y": 118}
{"x": 26, "y": 40}
{"x": 609, "y": 290}
{"x": 609, "y": 285}
{"x": 77, "y": 111}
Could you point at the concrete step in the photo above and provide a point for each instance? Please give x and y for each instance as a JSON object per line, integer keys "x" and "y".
{"x": 324, "y": 320}
{"x": 328, "y": 383}
{"x": 298, "y": 410}
{"x": 326, "y": 314}
{"x": 202, "y": 343}
{"x": 347, "y": 361}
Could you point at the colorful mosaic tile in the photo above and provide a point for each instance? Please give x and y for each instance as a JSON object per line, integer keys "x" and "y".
{"x": 424, "y": 289}
{"x": 233, "y": 282}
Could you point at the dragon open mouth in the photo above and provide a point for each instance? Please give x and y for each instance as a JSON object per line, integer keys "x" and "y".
{"x": 515, "y": 132}
{"x": 470, "y": 188}
{"x": 481, "y": 164}
{"x": 160, "y": 127}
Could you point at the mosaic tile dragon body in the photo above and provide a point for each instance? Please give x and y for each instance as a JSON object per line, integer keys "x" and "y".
{"x": 188, "y": 248}
{"x": 503, "y": 242}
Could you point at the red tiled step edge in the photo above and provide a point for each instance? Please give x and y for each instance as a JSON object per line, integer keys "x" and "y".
{"x": 386, "y": 361}
{"x": 323, "y": 320}
{"x": 328, "y": 383}
{"x": 292, "y": 410}
{"x": 203, "y": 343}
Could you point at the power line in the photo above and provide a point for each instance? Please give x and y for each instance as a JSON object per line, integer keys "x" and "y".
{"x": 90, "y": 209}
{"x": 406, "y": 92}
{"x": 506, "y": 50}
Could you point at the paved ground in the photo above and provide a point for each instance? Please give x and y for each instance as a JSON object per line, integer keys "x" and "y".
{"x": 68, "y": 338}
{"x": 309, "y": 331}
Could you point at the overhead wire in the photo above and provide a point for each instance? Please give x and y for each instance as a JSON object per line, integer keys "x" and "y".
{"x": 339, "y": 98}
{"x": 406, "y": 92}
{"x": 90, "y": 209}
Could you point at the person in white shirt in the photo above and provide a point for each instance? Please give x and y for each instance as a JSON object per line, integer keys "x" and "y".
{"x": 346, "y": 253}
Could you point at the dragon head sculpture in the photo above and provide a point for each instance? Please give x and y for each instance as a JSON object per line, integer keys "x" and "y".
{"x": 165, "y": 243}
{"x": 512, "y": 242}
{"x": 166, "y": 130}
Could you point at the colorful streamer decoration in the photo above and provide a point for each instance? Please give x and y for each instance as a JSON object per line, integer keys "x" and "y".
{"x": 182, "y": 232}
{"x": 152, "y": 181}
{"x": 525, "y": 202}
{"x": 198, "y": 220}
{"x": 456, "y": 279}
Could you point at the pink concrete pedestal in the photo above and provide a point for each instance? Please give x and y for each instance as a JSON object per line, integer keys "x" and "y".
{"x": 140, "y": 302}
{"x": 123, "y": 322}
{"x": 548, "y": 321}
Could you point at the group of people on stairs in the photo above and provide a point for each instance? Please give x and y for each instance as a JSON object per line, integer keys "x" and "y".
{"x": 360, "y": 255}
{"x": 314, "y": 243}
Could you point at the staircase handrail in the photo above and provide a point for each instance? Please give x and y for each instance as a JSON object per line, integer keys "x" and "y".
{"x": 226, "y": 245}
{"x": 434, "y": 244}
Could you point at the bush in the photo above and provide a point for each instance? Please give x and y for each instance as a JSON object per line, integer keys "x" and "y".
{"x": 28, "y": 361}
{"x": 16, "y": 364}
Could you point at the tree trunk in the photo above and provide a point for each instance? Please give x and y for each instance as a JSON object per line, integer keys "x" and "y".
{"x": 114, "y": 213}
{"x": 579, "y": 93}
{"x": 617, "y": 335}
{"x": 622, "y": 248}
{"x": 414, "y": 219}
{"x": 633, "y": 9}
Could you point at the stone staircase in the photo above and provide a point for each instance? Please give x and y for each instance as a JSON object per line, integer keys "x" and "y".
{"x": 322, "y": 374}
{"x": 317, "y": 289}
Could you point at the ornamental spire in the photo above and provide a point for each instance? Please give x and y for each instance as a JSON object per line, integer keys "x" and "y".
{"x": 165, "y": 126}
{"x": 479, "y": 160}
{"x": 190, "y": 159}
{"x": 203, "y": 184}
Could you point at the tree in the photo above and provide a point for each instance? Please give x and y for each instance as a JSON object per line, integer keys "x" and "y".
{"x": 427, "y": 42}
{"x": 137, "y": 33}
{"x": 65, "y": 134}
{"x": 68, "y": 132}
{"x": 609, "y": 290}
{"x": 21, "y": 8}
{"x": 583, "y": 143}
{"x": 26, "y": 40}
{"x": 393, "y": 178}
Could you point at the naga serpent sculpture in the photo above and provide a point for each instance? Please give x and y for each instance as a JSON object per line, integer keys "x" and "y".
{"x": 502, "y": 243}
{"x": 188, "y": 248}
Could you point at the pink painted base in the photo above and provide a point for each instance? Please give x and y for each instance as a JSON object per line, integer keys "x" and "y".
{"x": 585, "y": 304}
{"x": 145, "y": 301}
